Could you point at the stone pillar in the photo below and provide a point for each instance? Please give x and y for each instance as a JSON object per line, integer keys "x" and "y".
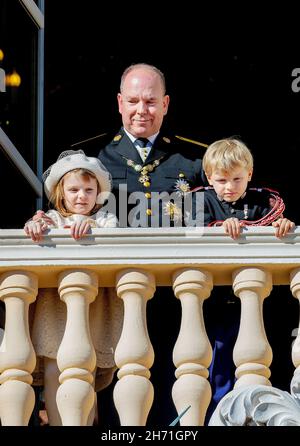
{"x": 18, "y": 289}
{"x": 192, "y": 353}
{"x": 76, "y": 357}
{"x": 134, "y": 356}
{"x": 252, "y": 353}
{"x": 295, "y": 289}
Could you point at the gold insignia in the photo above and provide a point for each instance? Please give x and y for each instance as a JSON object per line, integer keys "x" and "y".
{"x": 166, "y": 139}
{"x": 182, "y": 187}
{"x": 173, "y": 211}
{"x": 192, "y": 141}
{"x": 117, "y": 137}
{"x": 144, "y": 171}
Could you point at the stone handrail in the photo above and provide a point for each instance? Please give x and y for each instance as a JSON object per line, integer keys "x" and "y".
{"x": 135, "y": 261}
{"x": 161, "y": 251}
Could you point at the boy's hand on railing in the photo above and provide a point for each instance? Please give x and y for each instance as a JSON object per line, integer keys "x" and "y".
{"x": 232, "y": 227}
{"x": 283, "y": 226}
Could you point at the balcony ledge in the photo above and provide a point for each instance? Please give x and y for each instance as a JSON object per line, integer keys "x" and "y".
{"x": 160, "y": 250}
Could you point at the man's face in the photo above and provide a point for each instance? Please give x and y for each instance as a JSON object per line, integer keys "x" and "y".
{"x": 142, "y": 103}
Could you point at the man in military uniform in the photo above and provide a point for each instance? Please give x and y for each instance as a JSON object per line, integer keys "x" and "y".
{"x": 143, "y": 159}
{"x": 140, "y": 158}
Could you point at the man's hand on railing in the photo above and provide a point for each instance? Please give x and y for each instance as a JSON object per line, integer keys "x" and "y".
{"x": 42, "y": 215}
{"x": 35, "y": 229}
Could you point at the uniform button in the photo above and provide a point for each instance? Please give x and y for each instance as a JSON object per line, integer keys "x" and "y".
{"x": 181, "y": 175}
{"x": 232, "y": 210}
{"x": 148, "y": 212}
{"x": 147, "y": 195}
{"x": 146, "y": 184}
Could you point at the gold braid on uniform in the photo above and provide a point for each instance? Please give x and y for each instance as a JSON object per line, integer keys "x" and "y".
{"x": 273, "y": 215}
{"x": 144, "y": 171}
{"x": 198, "y": 143}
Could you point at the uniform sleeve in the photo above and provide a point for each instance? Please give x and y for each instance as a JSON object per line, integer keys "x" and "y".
{"x": 106, "y": 220}
{"x": 213, "y": 211}
{"x": 266, "y": 204}
{"x": 208, "y": 217}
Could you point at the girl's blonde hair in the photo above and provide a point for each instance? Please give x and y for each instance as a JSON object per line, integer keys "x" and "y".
{"x": 225, "y": 155}
{"x": 57, "y": 196}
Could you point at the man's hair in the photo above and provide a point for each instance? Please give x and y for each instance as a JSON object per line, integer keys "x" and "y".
{"x": 226, "y": 155}
{"x": 146, "y": 67}
{"x": 57, "y": 196}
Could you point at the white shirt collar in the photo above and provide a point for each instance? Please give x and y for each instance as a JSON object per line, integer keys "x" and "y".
{"x": 132, "y": 138}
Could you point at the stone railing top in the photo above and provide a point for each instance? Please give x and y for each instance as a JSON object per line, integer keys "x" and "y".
{"x": 161, "y": 250}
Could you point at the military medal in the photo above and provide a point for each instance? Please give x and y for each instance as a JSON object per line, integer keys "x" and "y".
{"x": 182, "y": 187}
{"x": 173, "y": 211}
{"x": 144, "y": 171}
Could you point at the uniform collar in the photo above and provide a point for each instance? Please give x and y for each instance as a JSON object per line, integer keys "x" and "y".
{"x": 159, "y": 149}
{"x": 132, "y": 138}
{"x": 125, "y": 147}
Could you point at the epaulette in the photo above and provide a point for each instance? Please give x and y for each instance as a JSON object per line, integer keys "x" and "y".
{"x": 264, "y": 189}
{"x": 88, "y": 140}
{"x": 201, "y": 188}
{"x": 191, "y": 141}
{"x": 117, "y": 138}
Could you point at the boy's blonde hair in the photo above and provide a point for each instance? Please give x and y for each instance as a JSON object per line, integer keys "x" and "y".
{"x": 57, "y": 196}
{"x": 225, "y": 155}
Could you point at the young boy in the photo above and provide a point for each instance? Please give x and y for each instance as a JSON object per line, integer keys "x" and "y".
{"x": 228, "y": 165}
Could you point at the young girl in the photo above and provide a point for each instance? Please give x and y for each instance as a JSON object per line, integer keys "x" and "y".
{"x": 76, "y": 185}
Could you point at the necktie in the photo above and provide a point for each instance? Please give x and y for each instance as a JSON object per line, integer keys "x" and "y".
{"x": 142, "y": 142}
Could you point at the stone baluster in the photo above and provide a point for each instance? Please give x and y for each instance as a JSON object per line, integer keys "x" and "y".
{"x": 252, "y": 353}
{"x": 192, "y": 353}
{"x": 76, "y": 358}
{"x": 295, "y": 289}
{"x": 134, "y": 356}
{"x": 18, "y": 289}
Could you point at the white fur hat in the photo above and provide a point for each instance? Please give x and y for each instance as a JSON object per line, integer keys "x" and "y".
{"x": 76, "y": 159}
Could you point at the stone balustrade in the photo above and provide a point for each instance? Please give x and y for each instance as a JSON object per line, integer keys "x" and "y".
{"x": 135, "y": 262}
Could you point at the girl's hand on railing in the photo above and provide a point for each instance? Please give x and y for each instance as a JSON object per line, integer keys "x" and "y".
{"x": 35, "y": 229}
